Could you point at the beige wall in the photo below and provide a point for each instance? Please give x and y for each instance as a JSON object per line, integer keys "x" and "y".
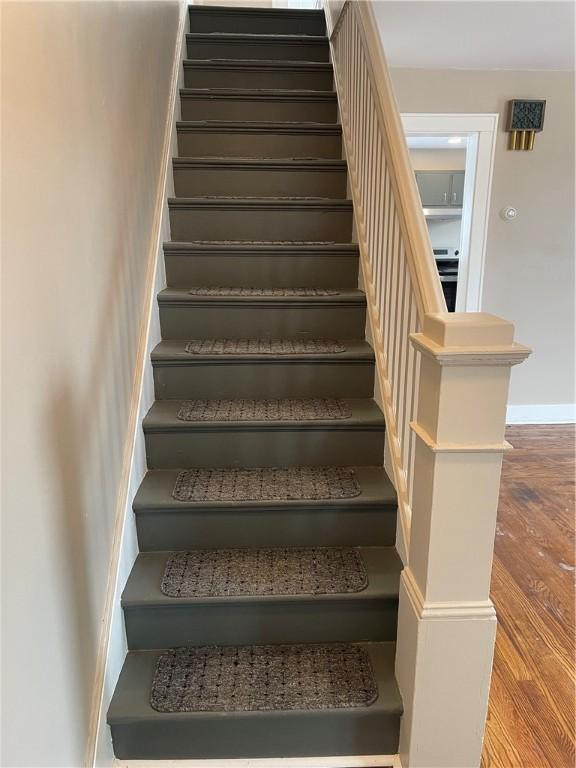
{"x": 85, "y": 94}
{"x": 529, "y": 276}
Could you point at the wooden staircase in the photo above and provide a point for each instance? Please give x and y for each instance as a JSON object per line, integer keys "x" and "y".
{"x": 260, "y": 203}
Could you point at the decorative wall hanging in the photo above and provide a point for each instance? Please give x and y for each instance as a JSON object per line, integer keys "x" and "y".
{"x": 525, "y": 119}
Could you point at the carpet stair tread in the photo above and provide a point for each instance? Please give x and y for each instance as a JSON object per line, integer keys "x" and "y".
{"x": 155, "y": 494}
{"x": 365, "y": 415}
{"x": 346, "y": 297}
{"x": 169, "y": 352}
{"x": 143, "y": 587}
{"x": 131, "y": 701}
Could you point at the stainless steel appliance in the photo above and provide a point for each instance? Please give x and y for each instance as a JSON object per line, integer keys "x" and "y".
{"x": 447, "y": 264}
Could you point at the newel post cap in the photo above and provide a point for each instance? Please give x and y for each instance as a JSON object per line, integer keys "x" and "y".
{"x": 469, "y": 338}
{"x": 468, "y": 329}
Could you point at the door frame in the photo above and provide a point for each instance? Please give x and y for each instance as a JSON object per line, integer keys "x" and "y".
{"x": 480, "y": 131}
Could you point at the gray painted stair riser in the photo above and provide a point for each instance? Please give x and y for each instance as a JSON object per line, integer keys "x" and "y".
{"x": 138, "y": 732}
{"x": 206, "y": 46}
{"x": 263, "y": 448}
{"x": 252, "y": 622}
{"x": 189, "y": 321}
{"x": 223, "y": 74}
{"x": 259, "y": 221}
{"x": 293, "y": 106}
{"x": 261, "y": 21}
{"x": 270, "y": 179}
{"x": 205, "y": 140}
{"x": 161, "y": 529}
{"x": 215, "y": 379}
{"x": 260, "y": 271}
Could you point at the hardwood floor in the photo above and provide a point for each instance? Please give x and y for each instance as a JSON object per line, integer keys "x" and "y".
{"x": 531, "y": 713}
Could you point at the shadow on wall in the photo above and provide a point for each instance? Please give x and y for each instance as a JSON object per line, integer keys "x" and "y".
{"x": 86, "y": 433}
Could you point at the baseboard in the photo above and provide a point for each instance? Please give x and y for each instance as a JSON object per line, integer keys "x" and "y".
{"x": 112, "y": 643}
{"x": 562, "y": 413}
{"x": 362, "y": 761}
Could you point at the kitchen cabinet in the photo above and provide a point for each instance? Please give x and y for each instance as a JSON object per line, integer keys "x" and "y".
{"x": 440, "y": 189}
{"x": 457, "y": 189}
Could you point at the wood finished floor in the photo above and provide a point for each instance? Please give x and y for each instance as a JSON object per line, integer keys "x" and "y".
{"x": 531, "y": 713}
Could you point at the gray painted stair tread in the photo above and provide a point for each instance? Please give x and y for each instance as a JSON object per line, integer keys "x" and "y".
{"x": 262, "y": 163}
{"x": 131, "y": 700}
{"x": 292, "y": 94}
{"x": 244, "y": 248}
{"x": 268, "y": 202}
{"x": 155, "y": 494}
{"x": 315, "y": 66}
{"x": 280, "y": 126}
{"x": 143, "y": 586}
{"x": 252, "y": 11}
{"x": 256, "y": 37}
{"x": 162, "y": 417}
{"x": 173, "y": 352}
{"x": 182, "y": 296}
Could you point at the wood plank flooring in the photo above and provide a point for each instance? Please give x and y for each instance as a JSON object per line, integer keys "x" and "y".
{"x": 531, "y": 713}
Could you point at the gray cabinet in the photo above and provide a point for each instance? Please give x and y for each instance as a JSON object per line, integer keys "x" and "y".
{"x": 457, "y": 189}
{"x": 440, "y": 189}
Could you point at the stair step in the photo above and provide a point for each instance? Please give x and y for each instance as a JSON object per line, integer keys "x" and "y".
{"x": 155, "y": 620}
{"x": 141, "y": 732}
{"x": 284, "y": 265}
{"x": 205, "y": 218}
{"x": 238, "y": 73}
{"x": 163, "y": 523}
{"x": 263, "y": 104}
{"x": 259, "y": 139}
{"x": 257, "y": 20}
{"x": 172, "y": 442}
{"x": 185, "y": 316}
{"x": 262, "y": 46}
{"x": 179, "y": 374}
{"x": 265, "y": 178}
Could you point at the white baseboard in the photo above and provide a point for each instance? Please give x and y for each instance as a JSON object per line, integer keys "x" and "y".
{"x": 561, "y": 413}
{"x": 362, "y": 761}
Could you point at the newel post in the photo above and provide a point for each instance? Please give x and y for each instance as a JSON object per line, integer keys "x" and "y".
{"x": 447, "y": 623}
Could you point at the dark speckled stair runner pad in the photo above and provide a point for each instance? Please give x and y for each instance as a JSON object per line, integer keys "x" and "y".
{"x": 265, "y": 484}
{"x": 285, "y": 409}
{"x": 263, "y": 346}
{"x": 263, "y": 678}
{"x": 292, "y": 571}
{"x": 225, "y": 291}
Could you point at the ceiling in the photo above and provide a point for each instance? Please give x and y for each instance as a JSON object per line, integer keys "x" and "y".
{"x": 478, "y": 34}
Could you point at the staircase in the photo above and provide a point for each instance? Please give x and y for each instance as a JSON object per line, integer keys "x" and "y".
{"x": 261, "y": 611}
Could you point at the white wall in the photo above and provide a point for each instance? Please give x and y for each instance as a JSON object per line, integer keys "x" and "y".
{"x": 85, "y": 94}
{"x": 529, "y": 271}
{"x": 438, "y": 159}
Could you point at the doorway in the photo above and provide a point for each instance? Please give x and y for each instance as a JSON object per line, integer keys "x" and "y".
{"x": 461, "y": 215}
